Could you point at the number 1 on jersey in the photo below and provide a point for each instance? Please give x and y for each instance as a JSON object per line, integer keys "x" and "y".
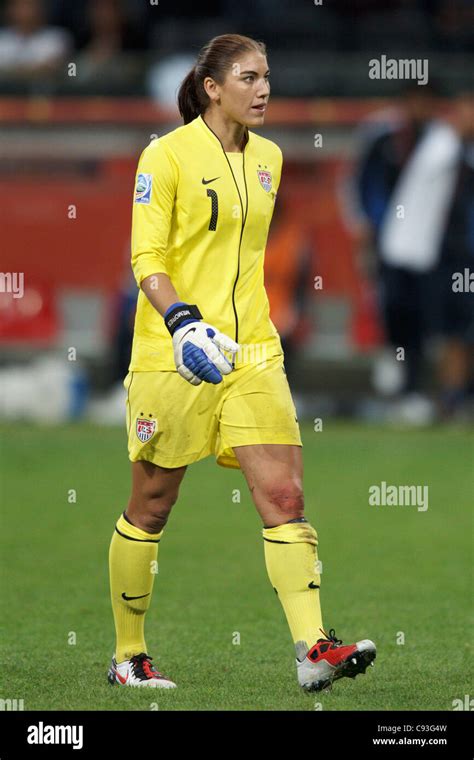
{"x": 214, "y": 208}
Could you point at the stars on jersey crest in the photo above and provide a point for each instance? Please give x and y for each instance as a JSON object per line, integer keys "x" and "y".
{"x": 145, "y": 428}
{"x": 264, "y": 177}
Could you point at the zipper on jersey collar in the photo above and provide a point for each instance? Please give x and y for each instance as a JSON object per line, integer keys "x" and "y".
{"x": 243, "y": 215}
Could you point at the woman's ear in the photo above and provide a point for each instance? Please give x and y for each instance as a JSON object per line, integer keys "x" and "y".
{"x": 212, "y": 89}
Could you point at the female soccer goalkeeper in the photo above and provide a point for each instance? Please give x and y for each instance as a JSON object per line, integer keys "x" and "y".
{"x": 206, "y": 373}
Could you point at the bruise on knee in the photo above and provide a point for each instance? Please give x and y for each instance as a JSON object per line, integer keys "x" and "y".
{"x": 286, "y": 497}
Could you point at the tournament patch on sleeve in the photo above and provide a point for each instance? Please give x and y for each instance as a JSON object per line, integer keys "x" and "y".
{"x": 143, "y": 188}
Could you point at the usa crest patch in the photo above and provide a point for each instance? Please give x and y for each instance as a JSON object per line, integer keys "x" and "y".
{"x": 145, "y": 429}
{"x": 143, "y": 188}
{"x": 265, "y": 179}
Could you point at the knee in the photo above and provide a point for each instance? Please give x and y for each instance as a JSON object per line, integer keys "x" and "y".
{"x": 159, "y": 503}
{"x": 152, "y": 522}
{"x": 155, "y": 508}
{"x": 287, "y": 497}
{"x": 165, "y": 497}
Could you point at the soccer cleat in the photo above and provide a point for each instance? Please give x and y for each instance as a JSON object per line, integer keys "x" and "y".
{"x": 138, "y": 671}
{"x": 329, "y": 659}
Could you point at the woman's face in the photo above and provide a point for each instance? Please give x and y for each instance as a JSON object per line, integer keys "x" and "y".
{"x": 245, "y": 91}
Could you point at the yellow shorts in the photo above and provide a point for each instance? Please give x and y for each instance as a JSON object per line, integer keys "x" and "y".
{"x": 173, "y": 423}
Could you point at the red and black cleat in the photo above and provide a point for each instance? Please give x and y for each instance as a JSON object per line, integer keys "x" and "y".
{"x": 330, "y": 659}
{"x": 138, "y": 671}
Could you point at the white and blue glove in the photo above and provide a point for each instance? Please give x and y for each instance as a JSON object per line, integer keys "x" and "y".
{"x": 197, "y": 345}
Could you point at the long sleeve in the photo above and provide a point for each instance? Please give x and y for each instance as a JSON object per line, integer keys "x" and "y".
{"x": 277, "y": 179}
{"x": 154, "y": 196}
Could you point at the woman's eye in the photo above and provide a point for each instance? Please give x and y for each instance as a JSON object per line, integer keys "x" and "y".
{"x": 250, "y": 77}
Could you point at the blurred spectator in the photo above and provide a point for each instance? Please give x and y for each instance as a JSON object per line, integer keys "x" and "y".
{"x": 109, "y": 31}
{"x": 73, "y": 16}
{"x": 110, "y": 60}
{"x": 123, "y": 323}
{"x": 387, "y": 148}
{"x": 454, "y": 24}
{"x": 29, "y": 49}
{"x": 453, "y": 307}
{"x": 415, "y": 187}
{"x": 288, "y": 281}
{"x": 165, "y": 77}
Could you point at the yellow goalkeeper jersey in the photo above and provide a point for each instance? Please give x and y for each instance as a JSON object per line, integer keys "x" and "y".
{"x": 202, "y": 216}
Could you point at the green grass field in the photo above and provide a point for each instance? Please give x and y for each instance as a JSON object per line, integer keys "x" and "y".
{"x": 386, "y": 570}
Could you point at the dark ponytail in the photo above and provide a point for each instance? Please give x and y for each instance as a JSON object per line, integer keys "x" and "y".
{"x": 214, "y": 60}
{"x": 188, "y": 101}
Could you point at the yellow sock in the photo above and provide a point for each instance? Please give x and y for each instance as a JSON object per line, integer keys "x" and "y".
{"x": 132, "y": 567}
{"x": 290, "y": 558}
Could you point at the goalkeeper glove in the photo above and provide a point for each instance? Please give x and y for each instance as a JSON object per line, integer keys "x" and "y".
{"x": 197, "y": 345}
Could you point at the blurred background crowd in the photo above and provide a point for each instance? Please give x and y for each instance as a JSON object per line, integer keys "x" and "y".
{"x": 133, "y": 47}
{"x": 371, "y": 250}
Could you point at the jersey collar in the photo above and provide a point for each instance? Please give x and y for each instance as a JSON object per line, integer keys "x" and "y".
{"x": 212, "y": 135}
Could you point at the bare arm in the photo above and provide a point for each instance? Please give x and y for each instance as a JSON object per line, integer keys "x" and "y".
{"x": 159, "y": 290}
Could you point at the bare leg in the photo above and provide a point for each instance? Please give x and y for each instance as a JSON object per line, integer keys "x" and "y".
{"x": 274, "y": 474}
{"x": 154, "y": 492}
